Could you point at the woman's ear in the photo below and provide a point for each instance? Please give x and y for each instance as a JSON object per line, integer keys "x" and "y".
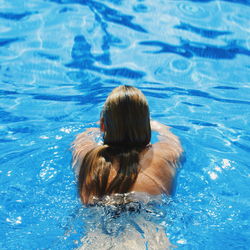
{"x": 102, "y": 128}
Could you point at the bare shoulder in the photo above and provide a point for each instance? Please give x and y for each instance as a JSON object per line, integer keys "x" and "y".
{"x": 170, "y": 151}
{"x": 159, "y": 163}
{"x": 169, "y": 145}
{"x": 163, "y": 156}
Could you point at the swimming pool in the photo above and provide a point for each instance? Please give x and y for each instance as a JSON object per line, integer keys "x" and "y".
{"x": 58, "y": 61}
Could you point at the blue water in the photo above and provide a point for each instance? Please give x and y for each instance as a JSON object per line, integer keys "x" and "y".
{"x": 59, "y": 59}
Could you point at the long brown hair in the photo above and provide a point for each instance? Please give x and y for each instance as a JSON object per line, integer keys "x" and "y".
{"x": 125, "y": 117}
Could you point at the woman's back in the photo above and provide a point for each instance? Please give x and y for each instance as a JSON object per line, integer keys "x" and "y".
{"x": 156, "y": 172}
{"x": 157, "y": 164}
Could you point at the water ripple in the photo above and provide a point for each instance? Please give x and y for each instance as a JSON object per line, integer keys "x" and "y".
{"x": 108, "y": 14}
{"x": 59, "y": 59}
{"x": 15, "y": 16}
{"x": 48, "y": 56}
{"x": 198, "y": 93}
{"x": 114, "y": 16}
{"x": 245, "y": 2}
{"x": 7, "y": 117}
{"x": 8, "y": 41}
{"x": 190, "y": 49}
{"x": 201, "y": 31}
{"x": 193, "y": 11}
{"x": 84, "y": 59}
{"x": 202, "y": 123}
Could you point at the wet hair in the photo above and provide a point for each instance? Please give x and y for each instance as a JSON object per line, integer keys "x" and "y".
{"x": 127, "y": 131}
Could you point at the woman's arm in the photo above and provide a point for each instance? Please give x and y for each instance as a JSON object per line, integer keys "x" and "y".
{"x": 166, "y": 136}
{"x": 83, "y": 143}
{"x": 167, "y": 152}
{"x": 168, "y": 145}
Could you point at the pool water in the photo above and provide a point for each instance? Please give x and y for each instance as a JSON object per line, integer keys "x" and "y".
{"x": 59, "y": 59}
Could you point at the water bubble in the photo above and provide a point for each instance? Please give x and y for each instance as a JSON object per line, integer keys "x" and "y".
{"x": 193, "y": 11}
{"x": 14, "y": 221}
{"x": 182, "y": 241}
{"x": 47, "y": 173}
{"x": 175, "y": 69}
{"x": 213, "y": 175}
{"x": 66, "y": 130}
{"x": 180, "y": 65}
{"x": 141, "y": 8}
{"x": 44, "y": 137}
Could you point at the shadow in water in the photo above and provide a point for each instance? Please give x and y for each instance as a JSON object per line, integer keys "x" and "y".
{"x": 84, "y": 59}
{"x": 190, "y": 49}
{"x": 15, "y": 16}
{"x": 8, "y": 41}
{"x": 202, "y": 32}
{"x": 192, "y": 92}
{"x": 6, "y": 117}
{"x": 107, "y": 14}
{"x": 246, "y": 2}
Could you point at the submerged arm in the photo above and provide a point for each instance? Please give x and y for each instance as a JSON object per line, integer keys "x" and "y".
{"x": 167, "y": 138}
{"x": 83, "y": 143}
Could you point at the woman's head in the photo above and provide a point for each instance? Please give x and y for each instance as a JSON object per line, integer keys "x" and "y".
{"x": 126, "y": 126}
{"x": 125, "y": 118}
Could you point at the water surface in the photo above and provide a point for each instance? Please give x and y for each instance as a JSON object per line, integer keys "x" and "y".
{"x": 59, "y": 59}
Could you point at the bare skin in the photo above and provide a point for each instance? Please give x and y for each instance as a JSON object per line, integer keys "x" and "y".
{"x": 158, "y": 162}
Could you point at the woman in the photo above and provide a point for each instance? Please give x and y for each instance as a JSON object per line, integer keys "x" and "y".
{"x": 126, "y": 161}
